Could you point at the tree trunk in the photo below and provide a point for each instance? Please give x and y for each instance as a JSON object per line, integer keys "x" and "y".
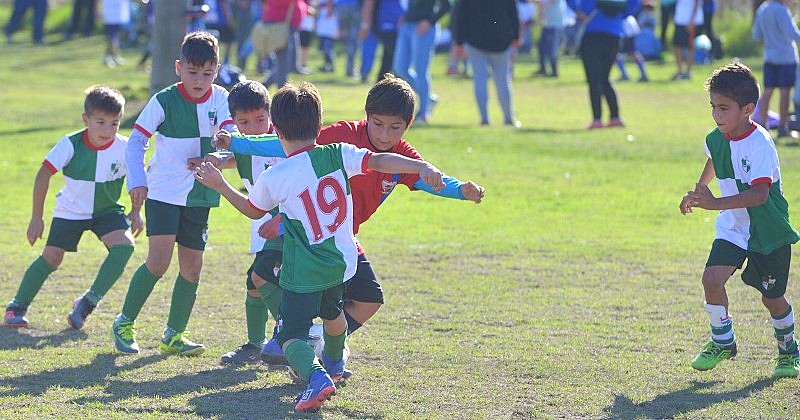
{"x": 168, "y": 33}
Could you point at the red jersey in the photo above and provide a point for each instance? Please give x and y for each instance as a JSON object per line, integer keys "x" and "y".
{"x": 370, "y": 189}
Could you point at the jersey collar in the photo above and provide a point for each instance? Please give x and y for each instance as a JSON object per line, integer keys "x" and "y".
{"x": 186, "y": 96}
{"x": 743, "y": 136}
{"x": 305, "y": 149}
{"x": 91, "y": 146}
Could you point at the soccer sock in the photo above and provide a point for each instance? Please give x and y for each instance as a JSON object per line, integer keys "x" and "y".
{"x": 784, "y": 332}
{"x": 183, "y": 296}
{"x": 334, "y": 345}
{"x": 32, "y": 281}
{"x": 302, "y": 358}
{"x": 110, "y": 270}
{"x": 642, "y": 70}
{"x": 256, "y": 313}
{"x": 139, "y": 290}
{"x": 721, "y": 325}
{"x": 621, "y": 67}
{"x": 352, "y": 324}
{"x": 271, "y": 296}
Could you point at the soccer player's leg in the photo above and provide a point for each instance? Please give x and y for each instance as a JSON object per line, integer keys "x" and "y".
{"x": 363, "y": 295}
{"x": 335, "y": 332}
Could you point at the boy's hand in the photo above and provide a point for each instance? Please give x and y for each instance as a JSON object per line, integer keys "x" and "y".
{"x": 686, "y": 204}
{"x": 193, "y": 163}
{"x": 212, "y": 159}
{"x": 138, "y": 195}
{"x": 702, "y": 197}
{"x": 432, "y": 176}
{"x": 222, "y": 140}
{"x": 271, "y": 229}
{"x": 35, "y": 230}
{"x": 472, "y": 192}
{"x": 137, "y": 224}
{"x": 208, "y": 175}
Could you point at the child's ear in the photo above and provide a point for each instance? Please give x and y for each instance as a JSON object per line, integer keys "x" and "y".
{"x": 749, "y": 109}
{"x": 178, "y": 68}
{"x": 85, "y": 119}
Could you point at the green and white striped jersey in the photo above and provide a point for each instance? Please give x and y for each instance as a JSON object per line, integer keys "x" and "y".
{"x": 93, "y": 176}
{"x": 312, "y": 189}
{"x": 183, "y": 127}
{"x": 741, "y": 163}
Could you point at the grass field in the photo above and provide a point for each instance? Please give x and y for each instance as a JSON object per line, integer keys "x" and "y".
{"x": 572, "y": 291}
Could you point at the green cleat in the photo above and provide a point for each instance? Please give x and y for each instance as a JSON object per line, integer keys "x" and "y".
{"x": 786, "y": 366}
{"x": 712, "y": 354}
{"x": 180, "y": 345}
{"x": 124, "y": 337}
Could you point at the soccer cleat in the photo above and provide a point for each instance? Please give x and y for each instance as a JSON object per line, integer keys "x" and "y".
{"x": 595, "y": 124}
{"x": 124, "y": 336}
{"x": 180, "y": 345}
{"x": 786, "y": 366}
{"x": 320, "y": 389}
{"x": 272, "y": 353}
{"x": 615, "y": 122}
{"x": 246, "y": 353}
{"x": 336, "y": 369}
{"x": 81, "y": 308}
{"x": 15, "y": 316}
{"x": 712, "y": 354}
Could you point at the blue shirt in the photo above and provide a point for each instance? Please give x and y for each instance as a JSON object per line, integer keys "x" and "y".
{"x": 776, "y": 28}
{"x": 602, "y": 22}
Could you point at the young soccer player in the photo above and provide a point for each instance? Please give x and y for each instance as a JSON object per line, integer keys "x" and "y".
{"x": 753, "y": 223}
{"x": 183, "y": 117}
{"x": 93, "y": 162}
{"x": 389, "y": 108}
{"x": 312, "y": 189}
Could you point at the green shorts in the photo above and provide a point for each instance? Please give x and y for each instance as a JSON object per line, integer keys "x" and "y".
{"x": 267, "y": 265}
{"x": 188, "y": 224}
{"x": 298, "y": 311}
{"x": 767, "y": 273}
{"x": 66, "y": 234}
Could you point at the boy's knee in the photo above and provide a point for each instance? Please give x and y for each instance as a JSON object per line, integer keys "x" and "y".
{"x": 53, "y": 256}
{"x": 716, "y": 277}
{"x": 157, "y": 266}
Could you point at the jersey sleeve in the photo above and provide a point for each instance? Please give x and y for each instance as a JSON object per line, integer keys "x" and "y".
{"x": 150, "y": 119}
{"x": 59, "y": 156}
{"x": 763, "y": 162}
{"x": 263, "y": 145}
{"x": 262, "y": 198}
{"x": 224, "y": 118}
{"x": 354, "y": 159}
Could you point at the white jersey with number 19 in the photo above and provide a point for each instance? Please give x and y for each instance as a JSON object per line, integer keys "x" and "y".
{"x": 312, "y": 191}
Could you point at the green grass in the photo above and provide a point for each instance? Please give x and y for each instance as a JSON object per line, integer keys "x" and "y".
{"x": 572, "y": 291}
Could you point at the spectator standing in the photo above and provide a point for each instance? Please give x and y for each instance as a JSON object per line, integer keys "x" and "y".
{"x": 414, "y": 48}
{"x": 220, "y": 19}
{"x": 490, "y": 30}
{"x": 381, "y": 18}
{"x": 284, "y": 59}
{"x": 116, "y": 17}
{"x": 83, "y": 11}
{"x": 18, "y": 13}
{"x": 327, "y": 32}
{"x": 349, "y": 14}
{"x": 688, "y": 17}
{"x": 550, "y": 38}
{"x": 526, "y": 11}
{"x": 667, "y": 10}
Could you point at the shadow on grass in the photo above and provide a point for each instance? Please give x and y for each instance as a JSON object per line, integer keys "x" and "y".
{"x": 681, "y": 402}
{"x": 28, "y": 130}
{"x": 15, "y": 338}
{"x": 93, "y": 374}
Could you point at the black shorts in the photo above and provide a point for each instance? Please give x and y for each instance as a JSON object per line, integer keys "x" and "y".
{"x": 364, "y": 286}
{"x": 769, "y": 273}
{"x": 627, "y": 45}
{"x": 779, "y": 75}
{"x": 298, "y": 311}
{"x": 188, "y": 224}
{"x": 267, "y": 265}
{"x": 225, "y": 32}
{"x": 682, "y": 37}
{"x": 66, "y": 234}
{"x": 306, "y": 38}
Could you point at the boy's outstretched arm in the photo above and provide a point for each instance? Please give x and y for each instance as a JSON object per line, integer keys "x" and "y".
{"x": 208, "y": 175}
{"x": 454, "y": 188}
{"x": 394, "y": 163}
{"x": 40, "y": 187}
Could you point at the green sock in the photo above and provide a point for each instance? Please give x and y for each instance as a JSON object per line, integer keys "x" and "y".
{"x": 302, "y": 358}
{"x": 110, "y": 270}
{"x": 271, "y": 296}
{"x": 334, "y": 345}
{"x": 32, "y": 281}
{"x": 256, "y": 313}
{"x": 183, "y": 297}
{"x": 139, "y": 290}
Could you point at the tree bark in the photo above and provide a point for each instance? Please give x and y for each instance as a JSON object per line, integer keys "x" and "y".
{"x": 168, "y": 33}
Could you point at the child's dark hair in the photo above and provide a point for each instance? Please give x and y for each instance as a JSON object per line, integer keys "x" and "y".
{"x": 297, "y": 111}
{"x": 100, "y": 98}
{"x": 199, "y": 49}
{"x": 248, "y": 96}
{"x": 392, "y": 96}
{"x": 734, "y": 81}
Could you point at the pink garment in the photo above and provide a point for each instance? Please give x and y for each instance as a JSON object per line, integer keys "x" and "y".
{"x": 275, "y": 11}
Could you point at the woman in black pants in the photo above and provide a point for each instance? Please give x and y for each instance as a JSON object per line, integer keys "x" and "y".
{"x": 598, "y": 50}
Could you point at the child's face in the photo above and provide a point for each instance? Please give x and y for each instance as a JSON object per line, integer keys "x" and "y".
{"x": 196, "y": 79}
{"x": 385, "y": 130}
{"x": 731, "y": 118}
{"x": 101, "y": 126}
{"x": 252, "y": 122}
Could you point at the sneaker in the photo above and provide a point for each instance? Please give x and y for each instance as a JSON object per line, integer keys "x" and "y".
{"x": 623, "y": 78}
{"x": 15, "y": 316}
{"x": 246, "y": 353}
{"x": 643, "y": 79}
{"x": 595, "y": 124}
{"x": 513, "y": 123}
{"x": 180, "y": 345}
{"x": 320, "y": 389}
{"x": 336, "y": 369}
{"x": 81, "y": 308}
{"x": 786, "y": 366}
{"x": 615, "y": 122}
{"x": 712, "y": 354}
{"x": 124, "y": 336}
{"x": 272, "y": 353}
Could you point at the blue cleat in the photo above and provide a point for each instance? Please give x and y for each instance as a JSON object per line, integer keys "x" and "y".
{"x": 336, "y": 369}
{"x": 124, "y": 336}
{"x": 15, "y": 316}
{"x": 81, "y": 308}
{"x": 320, "y": 389}
{"x": 272, "y": 353}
